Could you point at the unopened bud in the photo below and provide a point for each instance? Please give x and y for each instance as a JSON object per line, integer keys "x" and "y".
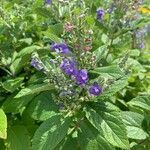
{"x": 68, "y": 27}
{"x": 87, "y": 48}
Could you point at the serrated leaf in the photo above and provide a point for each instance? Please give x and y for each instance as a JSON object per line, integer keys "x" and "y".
{"x": 3, "y": 125}
{"x": 16, "y": 105}
{"x": 115, "y": 87}
{"x": 108, "y": 122}
{"x": 132, "y": 118}
{"x": 134, "y": 53}
{"x": 136, "y": 66}
{"x": 12, "y": 84}
{"x": 56, "y": 29}
{"x": 133, "y": 122}
{"x": 50, "y": 133}
{"x": 136, "y": 133}
{"x": 43, "y": 12}
{"x": 114, "y": 71}
{"x": 90, "y": 139}
{"x": 70, "y": 144}
{"x": 34, "y": 89}
{"x": 18, "y": 138}
{"x": 42, "y": 107}
{"x": 51, "y": 36}
{"x": 17, "y": 65}
{"x": 100, "y": 52}
{"x": 28, "y": 50}
{"x": 142, "y": 102}
{"x": 105, "y": 39}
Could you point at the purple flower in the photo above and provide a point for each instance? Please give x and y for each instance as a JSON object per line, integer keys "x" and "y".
{"x": 48, "y": 2}
{"x": 111, "y": 9}
{"x": 95, "y": 89}
{"x": 36, "y": 64}
{"x": 82, "y": 77}
{"x": 142, "y": 45}
{"x": 138, "y": 34}
{"x": 69, "y": 67}
{"x": 60, "y": 48}
{"x": 100, "y": 14}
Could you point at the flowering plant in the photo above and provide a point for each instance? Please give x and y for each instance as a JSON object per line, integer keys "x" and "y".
{"x": 74, "y": 75}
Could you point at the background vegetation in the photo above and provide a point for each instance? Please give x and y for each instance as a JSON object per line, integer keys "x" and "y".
{"x": 30, "y": 113}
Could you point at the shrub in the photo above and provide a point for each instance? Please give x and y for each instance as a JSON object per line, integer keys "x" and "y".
{"x": 74, "y": 75}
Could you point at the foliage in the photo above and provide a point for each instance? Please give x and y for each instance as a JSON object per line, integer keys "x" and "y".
{"x": 74, "y": 75}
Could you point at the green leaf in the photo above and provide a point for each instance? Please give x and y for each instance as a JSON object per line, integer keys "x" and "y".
{"x": 3, "y": 125}
{"x": 134, "y": 52}
{"x": 114, "y": 71}
{"x": 70, "y": 143}
{"x": 16, "y": 105}
{"x": 28, "y": 50}
{"x": 90, "y": 20}
{"x": 26, "y": 40}
{"x": 138, "y": 146}
{"x": 12, "y": 84}
{"x": 90, "y": 139}
{"x": 18, "y": 138}
{"x": 108, "y": 122}
{"x": 42, "y": 107}
{"x": 43, "y": 12}
{"x": 2, "y": 145}
{"x": 136, "y": 66}
{"x": 51, "y": 36}
{"x": 115, "y": 87}
{"x": 100, "y": 52}
{"x": 56, "y": 29}
{"x": 133, "y": 122}
{"x": 34, "y": 89}
{"x": 50, "y": 133}
{"x": 132, "y": 118}
{"x": 142, "y": 102}
{"x": 17, "y": 65}
{"x": 138, "y": 23}
{"x": 136, "y": 133}
{"x": 105, "y": 39}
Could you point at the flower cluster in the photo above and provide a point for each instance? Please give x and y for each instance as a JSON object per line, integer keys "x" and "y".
{"x": 82, "y": 77}
{"x": 60, "y": 48}
{"x": 36, "y": 63}
{"x": 95, "y": 89}
{"x": 88, "y": 41}
{"x": 68, "y": 27}
{"x": 139, "y": 38}
{"x": 47, "y": 2}
{"x": 70, "y": 68}
{"x": 68, "y": 71}
{"x": 100, "y": 14}
{"x": 139, "y": 35}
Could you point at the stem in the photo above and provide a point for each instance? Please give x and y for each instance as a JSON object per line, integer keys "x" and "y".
{"x": 6, "y": 71}
{"x": 68, "y": 114}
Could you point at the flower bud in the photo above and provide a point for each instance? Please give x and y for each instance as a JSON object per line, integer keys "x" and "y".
{"x": 68, "y": 27}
